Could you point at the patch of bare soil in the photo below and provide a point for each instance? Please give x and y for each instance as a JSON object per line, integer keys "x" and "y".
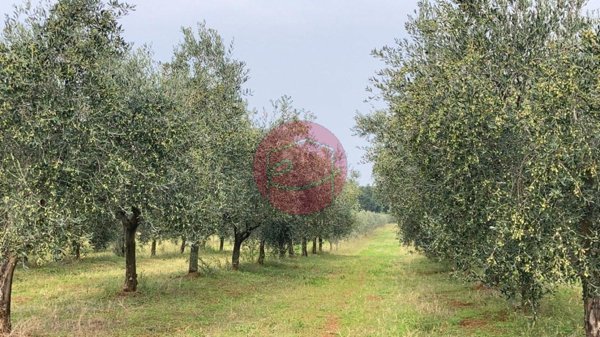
{"x": 122, "y": 293}
{"x": 20, "y": 299}
{"x": 473, "y": 323}
{"x": 430, "y": 272}
{"x": 459, "y": 304}
{"x": 191, "y": 275}
{"x": 332, "y": 326}
{"x": 374, "y": 298}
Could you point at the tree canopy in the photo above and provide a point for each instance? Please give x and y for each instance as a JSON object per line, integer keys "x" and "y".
{"x": 487, "y": 152}
{"x": 99, "y": 142}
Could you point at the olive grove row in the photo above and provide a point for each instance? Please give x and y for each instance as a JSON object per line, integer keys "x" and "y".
{"x": 489, "y": 149}
{"x": 98, "y": 143}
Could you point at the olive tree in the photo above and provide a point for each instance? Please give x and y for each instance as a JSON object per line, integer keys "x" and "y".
{"x": 205, "y": 82}
{"x": 56, "y": 68}
{"x": 488, "y": 148}
{"x": 139, "y": 147}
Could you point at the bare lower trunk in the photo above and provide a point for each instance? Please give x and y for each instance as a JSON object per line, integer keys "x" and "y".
{"x": 592, "y": 316}
{"x": 153, "y": 248}
{"x": 130, "y": 263}
{"x": 314, "y": 246}
{"x": 130, "y": 225}
{"x": 194, "y": 248}
{"x": 281, "y": 246}
{"x": 76, "y": 250}
{"x": 221, "y": 243}
{"x": 7, "y": 269}
{"x": 591, "y": 310}
{"x": 261, "y": 252}
{"x": 182, "y": 249}
{"x": 320, "y": 244}
{"x": 238, "y": 239}
{"x": 591, "y": 298}
{"x": 304, "y": 248}
{"x": 291, "y": 252}
{"x": 235, "y": 255}
{"x": 330, "y": 246}
{"x": 120, "y": 245}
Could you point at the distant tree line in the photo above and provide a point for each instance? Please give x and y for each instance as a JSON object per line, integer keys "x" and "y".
{"x": 369, "y": 200}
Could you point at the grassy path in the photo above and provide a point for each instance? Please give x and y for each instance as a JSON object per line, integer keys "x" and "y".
{"x": 369, "y": 287}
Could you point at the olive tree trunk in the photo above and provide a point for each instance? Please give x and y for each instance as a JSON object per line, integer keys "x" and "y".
{"x": 591, "y": 309}
{"x": 182, "y": 249}
{"x": 153, "y": 248}
{"x": 119, "y": 248}
{"x": 7, "y": 268}
{"x": 76, "y": 249}
{"x": 591, "y": 298}
{"x": 221, "y": 243}
{"x": 261, "y": 252}
{"x": 194, "y": 249}
{"x": 320, "y": 244}
{"x": 130, "y": 226}
{"x": 235, "y": 255}
{"x": 239, "y": 236}
{"x": 281, "y": 248}
{"x": 304, "y": 247}
{"x": 314, "y": 246}
{"x": 291, "y": 251}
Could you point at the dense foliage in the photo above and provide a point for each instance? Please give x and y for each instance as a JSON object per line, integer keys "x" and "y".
{"x": 100, "y": 143}
{"x": 488, "y": 150}
{"x": 369, "y": 200}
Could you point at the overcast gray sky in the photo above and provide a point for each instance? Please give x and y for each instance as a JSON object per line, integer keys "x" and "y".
{"x": 316, "y": 51}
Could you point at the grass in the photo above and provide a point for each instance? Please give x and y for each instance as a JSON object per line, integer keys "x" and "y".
{"x": 369, "y": 287}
